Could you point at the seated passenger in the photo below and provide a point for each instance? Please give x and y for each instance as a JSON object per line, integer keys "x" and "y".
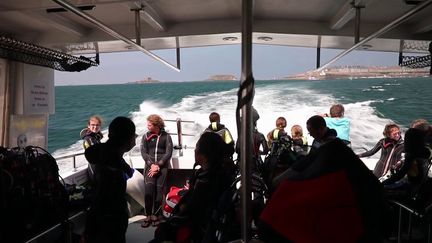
{"x": 279, "y": 131}
{"x": 300, "y": 144}
{"x": 391, "y": 147}
{"x": 338, "y": 122}
{"x": 335, "y": 198}
{"x": 193, "y": 213}
{"x": 414, "y": 171}
{"x": 318, "y": 129}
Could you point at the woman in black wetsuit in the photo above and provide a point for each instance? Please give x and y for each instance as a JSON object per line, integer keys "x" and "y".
{"x": 391, "y": 147}
{"x": 156, "y": 150}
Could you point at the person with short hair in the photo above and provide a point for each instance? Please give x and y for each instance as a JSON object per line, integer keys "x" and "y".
{"x": 338, "y": 122}
{"x": 220, "y": 129}
{"x": 107, "y": 218}
{"x": 318, "y": 129}
{"x": 193, "y": 215}
{"x": 92, "y": 135}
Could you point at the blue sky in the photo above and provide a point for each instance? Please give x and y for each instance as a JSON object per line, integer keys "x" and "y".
{"x": 199, "y": 63}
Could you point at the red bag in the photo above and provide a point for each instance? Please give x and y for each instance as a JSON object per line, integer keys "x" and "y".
{"x": 173, "y": 197}
{"x": 320, "y": 210}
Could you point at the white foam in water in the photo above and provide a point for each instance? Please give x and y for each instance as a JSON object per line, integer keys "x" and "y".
{"x": 272, "y": 101}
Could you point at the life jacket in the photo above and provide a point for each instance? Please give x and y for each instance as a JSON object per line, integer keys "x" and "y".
{"x": 221, "y": 130}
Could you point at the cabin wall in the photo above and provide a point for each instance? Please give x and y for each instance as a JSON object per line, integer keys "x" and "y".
{"x": 31, "y": 101}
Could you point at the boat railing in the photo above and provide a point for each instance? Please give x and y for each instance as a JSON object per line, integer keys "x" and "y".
{"x": 77, "y": 159}
{"x": 180, "y": 134}
{"x": 75, "y": 163}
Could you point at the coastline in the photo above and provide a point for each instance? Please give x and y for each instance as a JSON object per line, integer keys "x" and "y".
{"x": 355, "y": 72}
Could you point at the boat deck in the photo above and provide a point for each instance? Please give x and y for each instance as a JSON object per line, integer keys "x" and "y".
{"x": 136, "y": 233}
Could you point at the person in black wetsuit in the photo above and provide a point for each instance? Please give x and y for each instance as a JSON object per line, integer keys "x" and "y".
{"x": 156, "y": 150}
{"x": 192, "y": 216}
{"x": 416, "y": 161}
{"x": 107, "y": 219}
{"x": 318, "y": 129}
{"x": 220, "y": 129}
{"x": 92, "y": 135}
{"x": 391, "y": 147}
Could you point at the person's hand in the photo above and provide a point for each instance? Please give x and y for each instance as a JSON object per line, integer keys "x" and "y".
{"x": 154, "y": 169}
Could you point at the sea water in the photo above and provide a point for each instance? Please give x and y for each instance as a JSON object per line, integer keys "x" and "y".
{"x": 369, "y": 103}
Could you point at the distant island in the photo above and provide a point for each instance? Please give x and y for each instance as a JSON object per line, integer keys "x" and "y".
{"x": 221, "y": 77}
{"x": 146, "y": 81}
{"x": 350, "y": 72}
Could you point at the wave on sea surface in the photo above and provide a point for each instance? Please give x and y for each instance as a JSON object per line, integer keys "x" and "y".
{"x": 271, "y": 101}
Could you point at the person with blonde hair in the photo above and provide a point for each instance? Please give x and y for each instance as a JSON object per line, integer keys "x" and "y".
{"x": 391, "y": 146}
{"x": 92, "y": 135}
{"x": 156, "y": 150}
{"x": 300, "y": 142}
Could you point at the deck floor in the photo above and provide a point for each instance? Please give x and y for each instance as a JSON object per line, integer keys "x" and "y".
{"x": 137, "y": 234}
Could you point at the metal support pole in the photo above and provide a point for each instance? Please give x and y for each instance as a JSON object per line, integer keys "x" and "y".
{"x": 245, "y": 104}
{"x": 357, "y": 24}
{"x": 318, "y": 57}
{"x": 430, "y": 53}
{"x": 401, "y": 45}
{"x": 180, "y": 135}
{"x": 137, "y": 26}
{"x": 178, "y": 52}
{"x": 383, "y": 30}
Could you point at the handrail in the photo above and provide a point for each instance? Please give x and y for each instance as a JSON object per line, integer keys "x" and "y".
{"x": 73, "y": 156}
{"x": 180, "y": 134}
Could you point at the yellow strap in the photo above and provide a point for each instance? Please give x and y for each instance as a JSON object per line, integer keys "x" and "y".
{"x": 214, "y": 125}
{"x": 275, "y": 134}
{"x": 304, "y": 140}
{"x": 228, "y": 139}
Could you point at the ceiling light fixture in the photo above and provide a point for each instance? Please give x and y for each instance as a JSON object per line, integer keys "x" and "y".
{"x": 265, "y": 38}
{"x": 230, "y": 38}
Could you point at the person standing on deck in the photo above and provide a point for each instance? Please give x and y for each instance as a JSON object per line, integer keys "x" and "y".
{"x": 92, "y": 135}
{"x": 107, "y": 219}
{"x": 259, "y": 143}
{"x": 220, "y": 129}
{"x": 338, "y": 122}
{"x": 156, "y": 150}
{"x": 391, "y": 146}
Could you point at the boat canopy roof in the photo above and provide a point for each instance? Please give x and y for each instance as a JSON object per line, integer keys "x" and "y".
{"x": 103, "y": 25}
